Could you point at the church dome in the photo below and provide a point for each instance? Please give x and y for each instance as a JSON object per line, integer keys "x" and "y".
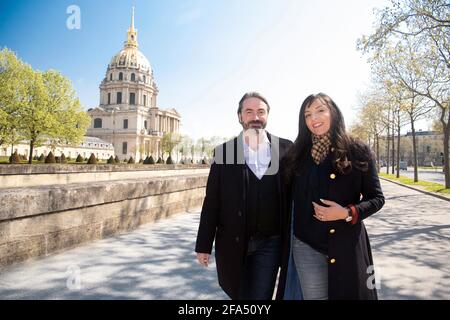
{"x": 130, "y": 57}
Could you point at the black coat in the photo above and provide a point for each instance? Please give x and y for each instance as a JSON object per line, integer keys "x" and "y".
{"x": 223, "y": 216}
{"x": 348, "y": 245}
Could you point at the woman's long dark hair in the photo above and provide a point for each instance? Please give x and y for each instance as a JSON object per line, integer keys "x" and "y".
{"x": 344, "y": 148}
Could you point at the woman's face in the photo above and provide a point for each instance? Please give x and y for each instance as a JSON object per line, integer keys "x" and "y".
{"x": 318, "y": 117}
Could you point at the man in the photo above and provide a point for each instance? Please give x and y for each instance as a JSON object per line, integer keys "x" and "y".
{"x": 243, "y": 208}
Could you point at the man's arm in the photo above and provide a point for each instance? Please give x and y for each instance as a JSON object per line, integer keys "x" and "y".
{"x": 210, "y": 213}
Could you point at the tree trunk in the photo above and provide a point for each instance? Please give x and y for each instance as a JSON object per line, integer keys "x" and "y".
{"x": 398, "y": 144}
{"x": 413, "y": 131}
{"x": 30, "y": 158}
{"x": 377, "y": 141}
{"x": 446, "y": 129}
{"x": 393, "y": 147}
{"x": 387, "y": 147}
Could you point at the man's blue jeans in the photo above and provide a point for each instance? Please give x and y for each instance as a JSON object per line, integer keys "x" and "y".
{"x": 261, "y": 269}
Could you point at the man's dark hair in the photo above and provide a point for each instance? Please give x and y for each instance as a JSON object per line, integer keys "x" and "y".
{"x": 252, "y": 95}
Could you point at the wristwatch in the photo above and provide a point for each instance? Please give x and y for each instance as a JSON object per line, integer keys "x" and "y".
{"x": 350, "y": 216}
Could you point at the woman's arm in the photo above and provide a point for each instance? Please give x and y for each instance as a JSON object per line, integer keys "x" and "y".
{"x": 372, "y": 195}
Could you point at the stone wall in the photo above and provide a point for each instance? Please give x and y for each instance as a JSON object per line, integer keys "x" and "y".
{"x": 15, "y": 176}
{"x": 37, "y": 221}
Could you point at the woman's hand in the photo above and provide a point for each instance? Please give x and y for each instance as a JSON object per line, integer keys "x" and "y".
{"x": 332, "y": 213}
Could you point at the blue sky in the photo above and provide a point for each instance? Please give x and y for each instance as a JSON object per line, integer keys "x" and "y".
{"x": 205, "y": 54}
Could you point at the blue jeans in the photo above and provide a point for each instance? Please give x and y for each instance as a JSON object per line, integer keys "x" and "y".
{"x": 261, "y": 269}
{"x": 312, "y": 270}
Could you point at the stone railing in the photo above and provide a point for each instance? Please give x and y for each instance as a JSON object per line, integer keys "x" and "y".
{"x": 46, "y": 218}
{"x": 16, "y": 176}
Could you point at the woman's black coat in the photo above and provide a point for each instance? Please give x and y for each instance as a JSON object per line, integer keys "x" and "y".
{"x": 351, "y": 275}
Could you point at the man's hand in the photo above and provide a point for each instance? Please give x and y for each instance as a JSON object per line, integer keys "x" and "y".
{"x": 203, "y": 258}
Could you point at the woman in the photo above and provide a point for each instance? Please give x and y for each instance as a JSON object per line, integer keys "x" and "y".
{"x": 334, "y": 187}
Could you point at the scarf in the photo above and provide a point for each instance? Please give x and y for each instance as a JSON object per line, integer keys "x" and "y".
{"x": 320, "y": 147}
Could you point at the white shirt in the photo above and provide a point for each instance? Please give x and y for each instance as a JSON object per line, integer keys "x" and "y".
{"x": 258, "y": 160}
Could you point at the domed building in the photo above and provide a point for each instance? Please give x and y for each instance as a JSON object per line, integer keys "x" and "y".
{"x": 128, "y": 115}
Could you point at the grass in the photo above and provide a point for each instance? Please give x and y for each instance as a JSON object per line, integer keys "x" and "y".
{"x": 428, "y": 186}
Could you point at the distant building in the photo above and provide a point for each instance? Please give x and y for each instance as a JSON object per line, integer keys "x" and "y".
{"x": 430, "y": 148}
{"x": 128, "y": 116}
{"x": 101, "y": 149}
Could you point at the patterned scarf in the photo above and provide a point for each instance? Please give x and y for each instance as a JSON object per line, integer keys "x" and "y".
{"x": 320, "y": 147}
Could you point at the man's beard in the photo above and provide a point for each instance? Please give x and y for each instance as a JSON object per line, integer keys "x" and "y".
{"x": 250, "y": 125}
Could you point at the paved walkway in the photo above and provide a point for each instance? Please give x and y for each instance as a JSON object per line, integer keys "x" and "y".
{"x": 410, "y": 239}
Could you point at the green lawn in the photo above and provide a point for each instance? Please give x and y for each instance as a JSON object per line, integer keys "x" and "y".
{"x": 429, "y": 186}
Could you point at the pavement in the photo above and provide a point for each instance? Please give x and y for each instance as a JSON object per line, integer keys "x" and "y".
{"x": 410, "y": 240}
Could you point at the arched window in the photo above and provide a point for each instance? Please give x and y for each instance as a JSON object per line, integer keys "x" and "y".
{"x": 110, "y": 77}
{"x": 97, "y": 123}
{"x": 133, "y": 77}
{"x": 121, "y": 76}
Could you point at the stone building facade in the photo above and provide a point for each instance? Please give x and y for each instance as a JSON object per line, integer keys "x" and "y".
{"x": 128, "y": 115}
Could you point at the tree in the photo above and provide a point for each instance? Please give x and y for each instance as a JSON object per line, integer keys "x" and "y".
{"x": 14, "y": 83}
{"x": 92, "y": 159}
{"x": 169, "y": 141}
{"x": 62, "y": 102}
{"x": 39, "y": 106}
{"x": 3, "y": 126}
{"x": 421, "y": 20}
{"x": 372, "y": 122}
{"x": 424, "y": 26}
{"x": 50, "y": 158}
{"x": 185, "y": 145}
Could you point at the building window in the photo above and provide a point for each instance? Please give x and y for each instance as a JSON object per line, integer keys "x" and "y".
{"x": 125, "y": 123}
{"x": 132, "y": 98}
{"x": 124, "y": 147}
{"x": 133, "y": 77}
{"x": 121, "y": 76}
{"x": 145, "y": 79}
{"x": 109, "y": 98}
{"x": 97, "y": 123}
{"x": 119, "y": 97}
{"x": 110, "y": 77}
{"x": 145, "y": 124}
{"x": 145, "y": 100}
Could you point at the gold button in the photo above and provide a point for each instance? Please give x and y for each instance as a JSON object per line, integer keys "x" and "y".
{"x": 332, "y": 176}
{"x": 332, "y": 260}
{"x": 332, "y": 231}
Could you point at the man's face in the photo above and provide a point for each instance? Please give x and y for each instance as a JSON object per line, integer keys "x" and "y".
{"x": 253, "y": 114}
